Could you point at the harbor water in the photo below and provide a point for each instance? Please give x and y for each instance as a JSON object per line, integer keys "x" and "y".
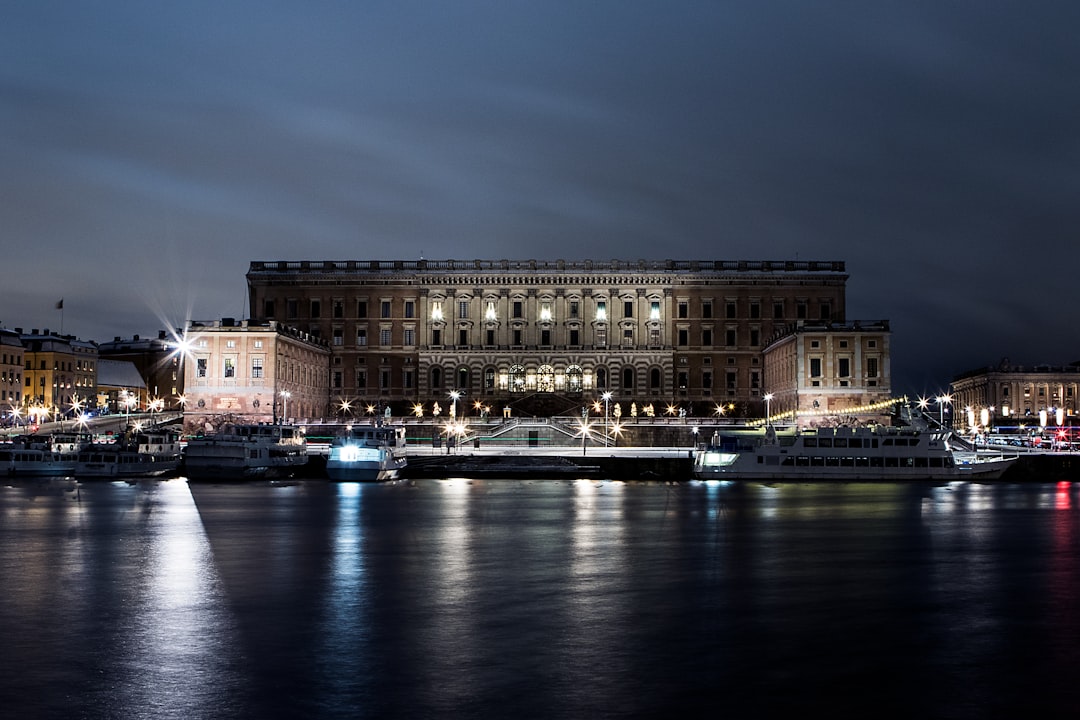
{"x": 538, "y": 599}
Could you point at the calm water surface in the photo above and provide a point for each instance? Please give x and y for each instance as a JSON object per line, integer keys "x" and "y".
{"x": 538, "y": 599}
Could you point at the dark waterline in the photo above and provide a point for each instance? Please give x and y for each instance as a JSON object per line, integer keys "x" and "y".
{"x": 538, "y": 599}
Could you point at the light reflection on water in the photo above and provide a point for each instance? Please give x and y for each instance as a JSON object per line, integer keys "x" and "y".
{"x": 537, "y": 599}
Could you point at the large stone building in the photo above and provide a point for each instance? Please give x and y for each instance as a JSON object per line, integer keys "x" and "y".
{"x": 60, "y": 373}
{"x": 1012, "y": 394}
{"x": 541, "y": 336}
{"x": 252, "y": 372}
{"x": 11, "y": 374}
{"x": 816, "y": 372}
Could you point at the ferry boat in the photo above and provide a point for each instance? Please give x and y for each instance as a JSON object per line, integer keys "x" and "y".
{"x": 35, "y": 457}
{"x": 845, "y": 453}
{"x": 238, "y": 452}
{"x": 367, "y": 452}
{"x": 149, "y": 454}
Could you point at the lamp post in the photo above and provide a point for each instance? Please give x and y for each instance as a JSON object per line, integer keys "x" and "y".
{"x": 607, "y": 404}
{"x": 942, "y": 400}
{"x": 768, "y": 408}
{"x": 285, "y": 395}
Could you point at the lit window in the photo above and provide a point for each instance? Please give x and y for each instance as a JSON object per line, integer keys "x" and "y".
{"x": 654, "y": 310}
{"x": 489, "y": 314}
{"x": 436, "y": 310}
{"x": 545, "y": 312}
{"x": 601, "y": 311}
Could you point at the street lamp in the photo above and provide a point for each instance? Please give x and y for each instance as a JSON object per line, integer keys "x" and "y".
{"x": 455, "y": 395}
{"x": 285, "y": 395}
{"x": 768, "y": 408}
{"x": 607, "y": 404}
{"x": 942, "y": 400}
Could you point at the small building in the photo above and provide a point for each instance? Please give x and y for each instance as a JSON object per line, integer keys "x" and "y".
{"x": 158, "y": 362}
{"x": 121, "y": 387}
{"x": 829, "y": 373}
{"x": 251, "y": 372}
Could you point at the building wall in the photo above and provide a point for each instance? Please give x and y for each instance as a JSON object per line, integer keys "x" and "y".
{"x": 58, "y": 371}
{"x": 1015, "y": 393}
{"x": 821, "y": 370}
{"x": 11, "y": 373}
{"x": 237, "y": 371}
{"x": 157, "y": 361}
{"x": 682, "y": 331}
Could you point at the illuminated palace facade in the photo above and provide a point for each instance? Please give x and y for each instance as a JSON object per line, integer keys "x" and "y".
{"x": 1016, "y": 393}
{"x": 555, "y": 332}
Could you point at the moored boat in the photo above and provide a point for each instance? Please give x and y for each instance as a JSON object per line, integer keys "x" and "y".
{"x": 367, "y": 452}
{"x": 148, "y": 454}
{"x": 35, "y": 457}
{"x": 845, "y": 453}
{"x": 238, "y": 452}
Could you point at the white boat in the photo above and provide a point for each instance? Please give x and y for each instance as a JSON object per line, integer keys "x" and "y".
{"x": 150, "y": 454}
{"x": 367, "y": 452}
{"x": 844, "y": 453}
{"x": 35, "y": 458}
{"x": 238, "y": 452}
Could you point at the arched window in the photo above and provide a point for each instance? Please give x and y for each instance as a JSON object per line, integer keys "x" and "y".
{"x": 464, "y": 378}
{"x": 489, "y": 378}
{"x": 601, "y": 378}
{"x": 545, "y": 379}
{"x": 436, "y": 378}
{"x": 628, "y": 379}
{"x": 517, "y": 378}
{"x": 655, "y": 381}
{"x": 573, "y": 379}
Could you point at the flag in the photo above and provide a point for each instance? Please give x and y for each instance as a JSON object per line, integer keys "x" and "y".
{"x": 60, "y": 305}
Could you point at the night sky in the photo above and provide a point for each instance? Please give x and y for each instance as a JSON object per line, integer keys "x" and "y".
{"x": 150, "y": 151}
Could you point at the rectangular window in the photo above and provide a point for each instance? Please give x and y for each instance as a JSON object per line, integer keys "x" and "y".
{"x": 706, "y": 308}
{"x": 361, "y": 379}
{"x": 826, "y": 311}
{"x": 316, "y": 308}
{"x": 628, "y": 337}
{"x": 230, "y": 367}
{"x": 339, "y": 309}
{"x": 545, "y": 337}
{"x": 601, "y": 337}
{"x": 843, "y": 367}
{"x": 654, "y": 310}
{"x": 706, "y": 379}
{"x": 410, "y": 337}
{"x": 517, "y": 336}
{"x": 384, "y": 379}
{"x": 628, "y": 308}
{"x": 706, "y": 337}
{"x": 463, "y": 309}
{"x": 384, "y": 336}
{"x": 601, "y": 311}
{"x": 338, "y": 380}
{"x": 573, "y": 308}
{"x": 755, "y": 337}
{"x": 684, "y": 337}
{"x": 291, "y": 307}
{"x": 778, "y": 310}
{"x": 755, "y": 310}
{"x": 729, "y": 337}
{"x": 732, "y": 376}
{"x": 407, "y": 379}
{"x": 518, "y": 309}
{"x": 815, "y": 367}
{"x": 339, "y": 336}
{"x": 872, "y": 369}
{"x": 463, "y": 338}
{"x": 200, "y": 369}
{"x": 800, "y": 310}
{"x": 575, "y": 338}
{"x": 731, "y": 310}
{"x": 755, "y": 379}
{"x": 361, "y": 337}
{"x": 384, "y": 309}
{"x": 490, "y": 337}
{"x": 410, "y": 309}
{"x": 256, "y": 367}
{"x": 361, "y": 308}
{"x": 436, "y": 337}
{"x": 683, "y": 310}
{"x": 268, "y": 309}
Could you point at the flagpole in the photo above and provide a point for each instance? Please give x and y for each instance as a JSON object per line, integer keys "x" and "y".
{"x": 60, "y": 307}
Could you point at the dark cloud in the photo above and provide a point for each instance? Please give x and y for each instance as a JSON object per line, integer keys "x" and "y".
{"x": 148, "y": 153}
